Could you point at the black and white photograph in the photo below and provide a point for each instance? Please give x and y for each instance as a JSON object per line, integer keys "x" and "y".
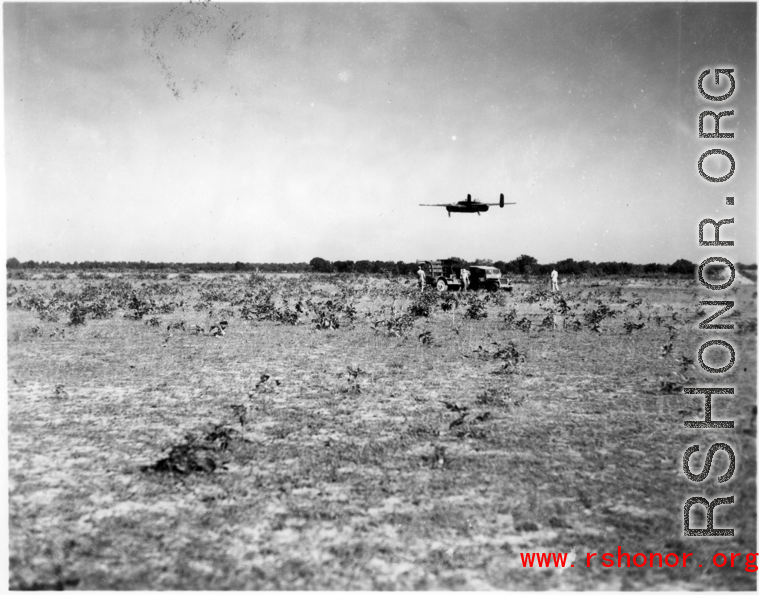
{"x": 380, "y": 296}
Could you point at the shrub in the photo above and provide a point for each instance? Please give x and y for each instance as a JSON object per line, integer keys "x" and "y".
{"x": 138, "y": 306}
{"x": 423, "y": 304}
{"x": 476, "y": 310}
{"x": 511, "y": 357}
{"x": 78, "y": 314}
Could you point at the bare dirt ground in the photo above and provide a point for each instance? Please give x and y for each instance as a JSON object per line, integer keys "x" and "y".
{"x": 342, "y": 433}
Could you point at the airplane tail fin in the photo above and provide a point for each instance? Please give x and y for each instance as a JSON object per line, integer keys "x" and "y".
{"x": 469, "y": 198}
{"x": 501, "y": 199}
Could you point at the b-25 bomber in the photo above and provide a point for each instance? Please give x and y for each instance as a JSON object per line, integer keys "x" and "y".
{"x": 469, "y": 205}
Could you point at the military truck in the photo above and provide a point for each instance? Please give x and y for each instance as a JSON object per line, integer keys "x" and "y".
{"x": 445, "y": 275}
{"x": 442, "y": 274}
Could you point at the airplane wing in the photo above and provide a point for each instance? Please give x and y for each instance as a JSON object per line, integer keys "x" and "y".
{"x": 444, "y": 205}
{"x": 495, "y": 204}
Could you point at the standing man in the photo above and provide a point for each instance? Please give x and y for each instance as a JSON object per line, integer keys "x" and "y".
{"x": 420, "y": 274}
{"x": 554, "y": 280}
{"x": 464, "y": 280}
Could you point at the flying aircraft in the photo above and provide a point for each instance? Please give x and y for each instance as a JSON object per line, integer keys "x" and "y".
{"x": 469, "y": 205}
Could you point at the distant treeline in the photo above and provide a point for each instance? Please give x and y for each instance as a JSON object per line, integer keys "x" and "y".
{"x": 523, "y": 265}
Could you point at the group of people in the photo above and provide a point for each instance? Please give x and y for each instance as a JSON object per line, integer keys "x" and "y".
{"x": 465, "y": 279}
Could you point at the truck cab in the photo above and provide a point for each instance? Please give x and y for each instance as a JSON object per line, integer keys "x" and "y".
{"x": 488, "y": 278}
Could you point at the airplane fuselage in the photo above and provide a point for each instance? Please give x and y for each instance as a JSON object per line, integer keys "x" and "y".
{"x": 467, "y": 207}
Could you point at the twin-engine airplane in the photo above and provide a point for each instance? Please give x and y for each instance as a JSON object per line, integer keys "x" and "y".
{"x": 469, "y": 205}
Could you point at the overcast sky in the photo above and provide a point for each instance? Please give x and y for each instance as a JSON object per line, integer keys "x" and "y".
{"x": 281, "y": 132}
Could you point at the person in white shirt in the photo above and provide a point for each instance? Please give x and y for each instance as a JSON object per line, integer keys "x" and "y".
{"x": 554, "y": 280}
{"x": 464, "y": 280}
{"x": 420, "y": 274}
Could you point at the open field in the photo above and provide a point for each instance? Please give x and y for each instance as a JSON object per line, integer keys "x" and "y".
{"x": 318, "y": 441}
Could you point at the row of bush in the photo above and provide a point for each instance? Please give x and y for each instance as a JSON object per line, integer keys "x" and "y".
{"x": 523, "y": 265}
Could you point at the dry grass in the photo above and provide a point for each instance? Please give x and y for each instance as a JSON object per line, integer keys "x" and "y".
{"x": 350, "y": 471}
